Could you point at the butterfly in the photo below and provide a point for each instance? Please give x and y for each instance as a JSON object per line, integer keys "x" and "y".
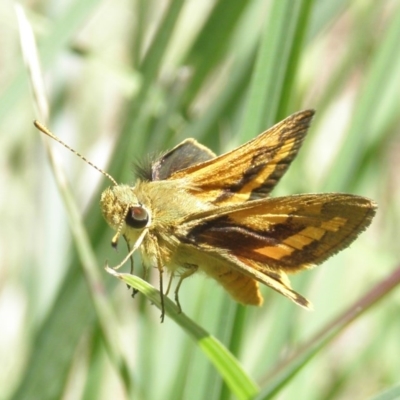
{"x": 192, "y": 211}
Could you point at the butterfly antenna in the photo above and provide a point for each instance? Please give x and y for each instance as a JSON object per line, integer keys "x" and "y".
{"x": 46, "y": 131}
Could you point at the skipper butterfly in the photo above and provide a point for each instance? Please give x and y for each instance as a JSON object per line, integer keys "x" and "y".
{"x": 191, "y": 211}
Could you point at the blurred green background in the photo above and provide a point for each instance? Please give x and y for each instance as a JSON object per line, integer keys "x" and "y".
{"x": 125, "y": 78}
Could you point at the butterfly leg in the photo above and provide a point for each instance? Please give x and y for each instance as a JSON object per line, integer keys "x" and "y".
{"x": 160, "y": 268}
{"x": 134, "y": 291}
{"x": 171, "y": 277}
{"x": 145, "y": 273}
{"x": 161, "y": 271}
{"x": 190, "y": 270}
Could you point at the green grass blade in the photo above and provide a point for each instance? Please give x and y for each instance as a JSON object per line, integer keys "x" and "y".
{"x": 86, "y": 254}
{"x": 237, "y": 380}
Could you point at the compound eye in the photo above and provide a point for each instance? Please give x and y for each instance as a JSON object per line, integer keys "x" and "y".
{"x": 137, "y": 217}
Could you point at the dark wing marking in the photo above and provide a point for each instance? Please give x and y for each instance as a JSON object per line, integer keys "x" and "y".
{"x": 157, "y": 168}
{"x": 184, "y": 155}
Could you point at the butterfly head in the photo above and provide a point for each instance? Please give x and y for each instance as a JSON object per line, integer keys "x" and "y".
{"x": 124, "y": 212}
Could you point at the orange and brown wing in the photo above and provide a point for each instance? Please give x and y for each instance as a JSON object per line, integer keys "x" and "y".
{"x": 252, "y": 170}
{"x": 287, "y": 233}
{"x": 265, "y": 239}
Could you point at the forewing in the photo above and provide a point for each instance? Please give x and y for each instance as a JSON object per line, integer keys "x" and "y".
{"x": 252, "y": 170}
{"x": 284, "y": 233}
{"x": 186, "y": 154}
